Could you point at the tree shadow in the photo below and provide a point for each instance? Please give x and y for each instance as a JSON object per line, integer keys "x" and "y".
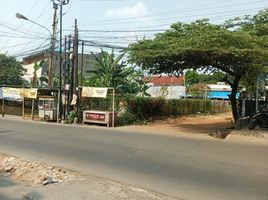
{"x": 33, "y": 195}
{"x": 3, "y": 197}
{"x": 6, "y": 131}
{"x": 202, "y": 128}
{"x": 6, "y": 182}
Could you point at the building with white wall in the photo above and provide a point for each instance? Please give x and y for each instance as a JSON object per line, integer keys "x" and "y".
{"x": 169, "y": 87}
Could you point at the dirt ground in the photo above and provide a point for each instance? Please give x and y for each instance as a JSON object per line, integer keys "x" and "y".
{"x": 203, "y": 127}
{"x": 197, "y": 123}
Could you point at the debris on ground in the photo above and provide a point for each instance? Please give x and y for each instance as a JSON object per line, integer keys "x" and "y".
{"x": 220, "y": 134}
{"x": 33, "y": 172}
{"x": 38, "y": 179}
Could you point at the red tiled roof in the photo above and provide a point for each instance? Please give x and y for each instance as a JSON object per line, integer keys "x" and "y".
{"x": 166, "y": 80}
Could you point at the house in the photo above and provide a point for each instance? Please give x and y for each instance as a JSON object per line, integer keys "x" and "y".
{"x": 169, "y": 87}
{"x": 29, "y": 62}
{"x": 221, "y": 90}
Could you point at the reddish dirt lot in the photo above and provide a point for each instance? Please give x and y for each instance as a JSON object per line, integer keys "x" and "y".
{"x": 199, "y": 124}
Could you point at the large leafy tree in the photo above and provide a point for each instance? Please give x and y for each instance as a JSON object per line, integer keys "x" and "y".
{"x": 11, "y": 71}
{"x": 202, "y": 45}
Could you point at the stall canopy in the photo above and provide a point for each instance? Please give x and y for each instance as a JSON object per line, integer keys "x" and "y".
{"x": 17, "y": 94}
{"x": 11, "y": 94}
{"x": 29, "y": 93}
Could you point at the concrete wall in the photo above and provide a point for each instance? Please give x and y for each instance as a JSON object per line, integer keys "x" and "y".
{"x": 168, "y": 92}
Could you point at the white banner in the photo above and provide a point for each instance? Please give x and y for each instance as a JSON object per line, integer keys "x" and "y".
{"x": 94, "y": 92}
{"x": 12, "y": 94}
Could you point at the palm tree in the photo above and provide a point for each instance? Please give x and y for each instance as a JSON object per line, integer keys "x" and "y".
{"x": 110, "y": 71}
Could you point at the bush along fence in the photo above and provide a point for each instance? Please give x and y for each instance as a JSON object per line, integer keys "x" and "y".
{"x": 141, "y": 109}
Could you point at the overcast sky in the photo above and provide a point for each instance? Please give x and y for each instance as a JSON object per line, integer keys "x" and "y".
{"x": 96, "y": 19}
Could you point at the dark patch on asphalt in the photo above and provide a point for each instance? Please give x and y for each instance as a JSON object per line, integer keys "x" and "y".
{"x": 3, "y": 197}
{"x": 32, "y": 196}
{"x": 6, "y": 181}
{"x": 6, "y": 132}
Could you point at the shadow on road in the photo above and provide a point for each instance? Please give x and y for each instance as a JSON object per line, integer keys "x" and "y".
{"x": 9, "y": 188}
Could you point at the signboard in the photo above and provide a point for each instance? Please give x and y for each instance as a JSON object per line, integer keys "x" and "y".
{"x": 95, "y": 116}
{"x": 94, "y": 92}
{"x": 29, "y": 93}
{"x": 12, "y": 94}
{"x": 74, "y": 100}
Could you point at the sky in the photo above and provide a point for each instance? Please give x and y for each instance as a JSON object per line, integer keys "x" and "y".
{"x": 108, "y": 22}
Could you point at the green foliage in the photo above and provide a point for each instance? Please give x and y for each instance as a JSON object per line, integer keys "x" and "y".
{"x": 70, "y": 117}
{"x": 35, "y": 81}
{"x": 11, "y": 71}
{"x": 237, "y": 52}
{"x": 193, "y": 77}
{"x": 126, "y": 118}
{"x": 198, "y": 90}
{"x": 140, "y": 109}
{"x": 199, "y": 45}
{"x": 111, "y": 71}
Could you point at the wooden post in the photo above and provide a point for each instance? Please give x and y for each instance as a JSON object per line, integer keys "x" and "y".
{"x": 3, "y": 107}
{"x": 23, "y": 107}
{"x": 32, "y": 114}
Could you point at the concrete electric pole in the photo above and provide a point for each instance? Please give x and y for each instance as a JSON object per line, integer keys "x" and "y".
{"x": 53, "y": 42}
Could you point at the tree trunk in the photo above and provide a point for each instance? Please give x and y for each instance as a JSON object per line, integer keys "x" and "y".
{"x": 232, "y": 98}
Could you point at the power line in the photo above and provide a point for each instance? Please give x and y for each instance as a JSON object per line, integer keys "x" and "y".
{"x": 99, "y": 0}
{"x": 170, "y": 12}
{"x": 42, "y": 45}
{"x": 143, "y": 28}
{"x": 21, "y": 23}
{"x": 41, "y": 14}
{"x": 239, "y": 11}
{"x": 123, "y": 31}
{"x": 15, "y": 30}
{"x": 96, "y": 44}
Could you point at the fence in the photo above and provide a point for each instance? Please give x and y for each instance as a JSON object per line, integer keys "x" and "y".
{"x": 15, "y": 108}
{"x": 131, "y": 109}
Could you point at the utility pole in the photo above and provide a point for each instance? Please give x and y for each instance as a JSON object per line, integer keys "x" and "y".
{"x": 53, "y": 41}
{"x": 74, "y": 70}
{"x": 70, "y": 78}
{"x": 82, "y": 64}
{"x": 257, "y": 96}
{"x": 75, "y": 56}
{"x": 65, "y": 75}
{"x": 59, "y": 113}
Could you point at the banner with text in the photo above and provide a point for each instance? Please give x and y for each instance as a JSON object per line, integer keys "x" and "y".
{"x": 11, "y": 94}
{"x": 29, "y": 93}
{"x": 94, "y": 92}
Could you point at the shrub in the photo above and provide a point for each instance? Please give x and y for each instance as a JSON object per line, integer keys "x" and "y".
{"x": 146, "y": 108}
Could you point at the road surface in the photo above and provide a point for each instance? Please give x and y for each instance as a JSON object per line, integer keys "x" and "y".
{"x": 188, "y": 168}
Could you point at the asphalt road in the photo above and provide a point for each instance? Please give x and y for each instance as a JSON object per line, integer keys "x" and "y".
{"x": 191, "y": 169}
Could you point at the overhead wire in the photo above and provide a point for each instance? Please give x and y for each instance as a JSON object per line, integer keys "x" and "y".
{"x": 32, "y": 25}
{"x": 238, "y": 12}
{"x": 21, "y": 23}
{"x": 171, "y": 12}
{"x": 42, "y": 45}
{"x": 148, "y": 29}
